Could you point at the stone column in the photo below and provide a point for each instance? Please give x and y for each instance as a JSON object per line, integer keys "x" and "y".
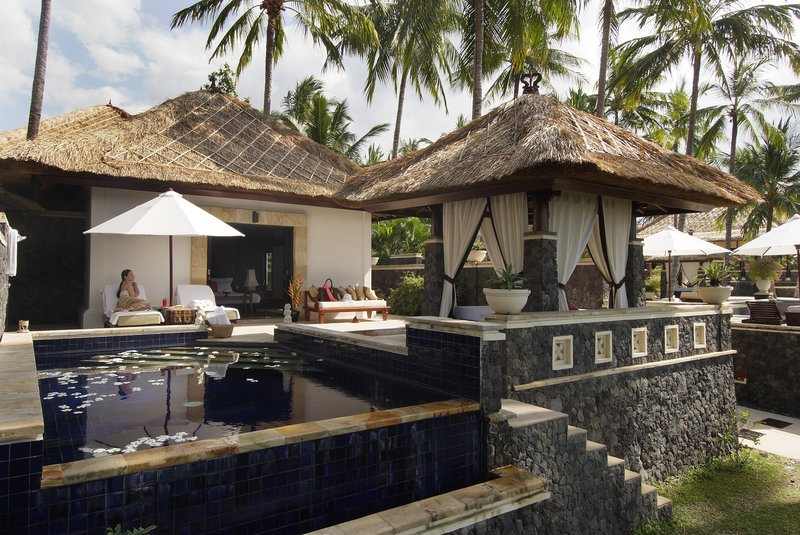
{"x": 540, "y": 270}
{"x": 634, "y": 274}
{"x": 434, "y": 276}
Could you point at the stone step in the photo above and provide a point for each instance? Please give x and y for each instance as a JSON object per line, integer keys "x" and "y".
{"x": 664, "y": 507}
{"x": 524, "y": 414}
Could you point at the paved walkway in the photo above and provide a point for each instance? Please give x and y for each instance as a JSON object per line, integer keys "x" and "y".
{"x": 775, "y": 437}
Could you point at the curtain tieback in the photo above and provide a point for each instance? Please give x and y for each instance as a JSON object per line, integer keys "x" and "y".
{"x": 562, "y": 286}
{"x": 618, "y": 285}
{"x": 450, "y": 279}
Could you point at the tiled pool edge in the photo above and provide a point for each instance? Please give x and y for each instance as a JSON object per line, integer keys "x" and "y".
{"x": 167, "y": 456}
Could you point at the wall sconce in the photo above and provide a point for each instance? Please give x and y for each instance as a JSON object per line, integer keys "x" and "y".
{"x": 250, "y": 281}
{"x": 255, "y": 216}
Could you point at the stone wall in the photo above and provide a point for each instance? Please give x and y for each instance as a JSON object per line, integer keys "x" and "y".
{"x": 590, "y": 491}
{"x": 768, "y": 359}
{"x": 661, "y": 411}
{"x": 661, "y": 420}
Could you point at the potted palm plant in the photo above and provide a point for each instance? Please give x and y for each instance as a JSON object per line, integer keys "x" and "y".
{"x": 507, "y": 294}
{"x": 764, "y": 271}
{"x": 710, "y": 283}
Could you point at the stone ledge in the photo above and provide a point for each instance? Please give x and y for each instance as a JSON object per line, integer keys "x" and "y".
{"x": 620, "y": 370}
{"x": 128, "y": 463}
{"x": 512, "y": 489}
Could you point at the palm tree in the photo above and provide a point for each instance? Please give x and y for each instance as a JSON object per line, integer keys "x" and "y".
{"x": 335, "y": 24}
{"x": 37, "y": 92}
{"x": 703, "y": 30}
{"x": 541, "y": 58}
{"x": 413, "y": 48}
{"x": 578, "y": 99}
{"x": 607, "y": 26}
{"x": 515, "y": 34}
{"x": 477, "y": 60}
{"x": 325, "y": 120}
{"x": 744, "y": 94}
{"x": 771, "y": 167}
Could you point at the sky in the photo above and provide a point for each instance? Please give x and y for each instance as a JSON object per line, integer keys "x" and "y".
{"x": 124, "y": 51}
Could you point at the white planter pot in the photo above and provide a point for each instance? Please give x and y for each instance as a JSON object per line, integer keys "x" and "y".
{"x": 714, "y": 295}
{"x": 506, "y": 301}
{"x": 476, "y": 256}
{"x": 375, "y": 260}
{"x": 763, "y": 286}
{"x": 650, "y": 296}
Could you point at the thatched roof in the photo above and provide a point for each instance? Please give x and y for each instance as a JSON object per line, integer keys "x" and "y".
{"x": 200, "y": 140}
{"x": 535, "y": 142}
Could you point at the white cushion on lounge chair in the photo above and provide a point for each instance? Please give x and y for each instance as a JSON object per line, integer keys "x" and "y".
{"x": 198, "y": 293}
{"x": 131, "y": 318}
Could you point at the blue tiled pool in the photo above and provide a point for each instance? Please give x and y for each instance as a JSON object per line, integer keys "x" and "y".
{"x": 287, "y": 480}
{"x": 111, "y": 403}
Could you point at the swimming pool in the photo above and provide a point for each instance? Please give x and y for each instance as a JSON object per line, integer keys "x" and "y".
{"x": 111, "y": 403}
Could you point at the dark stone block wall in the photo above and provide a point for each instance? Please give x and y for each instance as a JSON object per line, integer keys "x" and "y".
{"x": 768, "y": 357}
{"x": 541, "y": 272}
{"x": 663, "y": 419}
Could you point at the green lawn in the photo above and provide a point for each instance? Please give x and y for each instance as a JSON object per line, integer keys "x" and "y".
{"x": 760, "y": 497}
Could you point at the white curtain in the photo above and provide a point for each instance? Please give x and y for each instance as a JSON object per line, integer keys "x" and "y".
{"x": 460, "y": 221}
{"x": 612, "y": 259}
{"x": 572, "y": 216}
{"x": 508, "y": 225}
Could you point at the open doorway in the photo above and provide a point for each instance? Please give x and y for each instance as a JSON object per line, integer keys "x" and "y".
{"x": 266, "y": 249}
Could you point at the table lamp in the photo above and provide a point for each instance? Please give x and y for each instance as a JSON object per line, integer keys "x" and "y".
{"x": 250, "y": 281}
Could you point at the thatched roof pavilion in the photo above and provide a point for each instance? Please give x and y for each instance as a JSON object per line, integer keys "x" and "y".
{"x": 199, "y": 141}
{"x": 537, "y": 143}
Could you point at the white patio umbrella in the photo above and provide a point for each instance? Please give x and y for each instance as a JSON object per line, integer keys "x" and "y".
{"x": 169, "y": 214}
{"x": 672, "y": 242}
{"x": 782, "y": 240}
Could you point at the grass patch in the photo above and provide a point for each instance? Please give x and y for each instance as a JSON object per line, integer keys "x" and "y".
{"x": 756, "y": 497}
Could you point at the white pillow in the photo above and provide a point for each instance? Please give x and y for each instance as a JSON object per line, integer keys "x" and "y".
{"x": 201, "y": 304}
{"x": 223, "y": 283}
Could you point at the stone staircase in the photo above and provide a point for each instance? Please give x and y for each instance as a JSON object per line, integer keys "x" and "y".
{"x": 592, "y": 491}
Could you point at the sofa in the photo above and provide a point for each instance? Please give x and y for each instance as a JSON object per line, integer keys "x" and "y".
{"x": 346, "y": 299}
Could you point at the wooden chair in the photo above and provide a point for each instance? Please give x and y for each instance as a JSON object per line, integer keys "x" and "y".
{"x": 764, "y": 311}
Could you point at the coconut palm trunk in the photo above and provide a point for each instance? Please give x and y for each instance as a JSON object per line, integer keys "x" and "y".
{"x": 696, "y": 60}
{"x": 268, "y": 61}
{"x": 37, "y": 92}
{"x": 477, "y": 62}
{"x": 604, "y": 43}
{"x": 401, "y": 98}
{"x": 731, "y": 170}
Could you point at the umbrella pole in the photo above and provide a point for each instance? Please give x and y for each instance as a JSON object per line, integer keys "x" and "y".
{"x": 797, "y": 247}
{"x": 170, "y": 270}
{"x": 669, "y": 275}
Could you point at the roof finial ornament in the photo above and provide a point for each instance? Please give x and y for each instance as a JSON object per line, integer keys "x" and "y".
{"x": 530, "y": 83}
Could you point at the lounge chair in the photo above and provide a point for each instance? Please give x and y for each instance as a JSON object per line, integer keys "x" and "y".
{"x": 126, "y": 319}
{"x": 201, "y": 298}
{"x": 763, "y": 311}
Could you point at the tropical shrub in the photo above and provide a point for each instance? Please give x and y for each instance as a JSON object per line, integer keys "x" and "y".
{"x": 765, "y": 268}
{"x": 406, "y": 298}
